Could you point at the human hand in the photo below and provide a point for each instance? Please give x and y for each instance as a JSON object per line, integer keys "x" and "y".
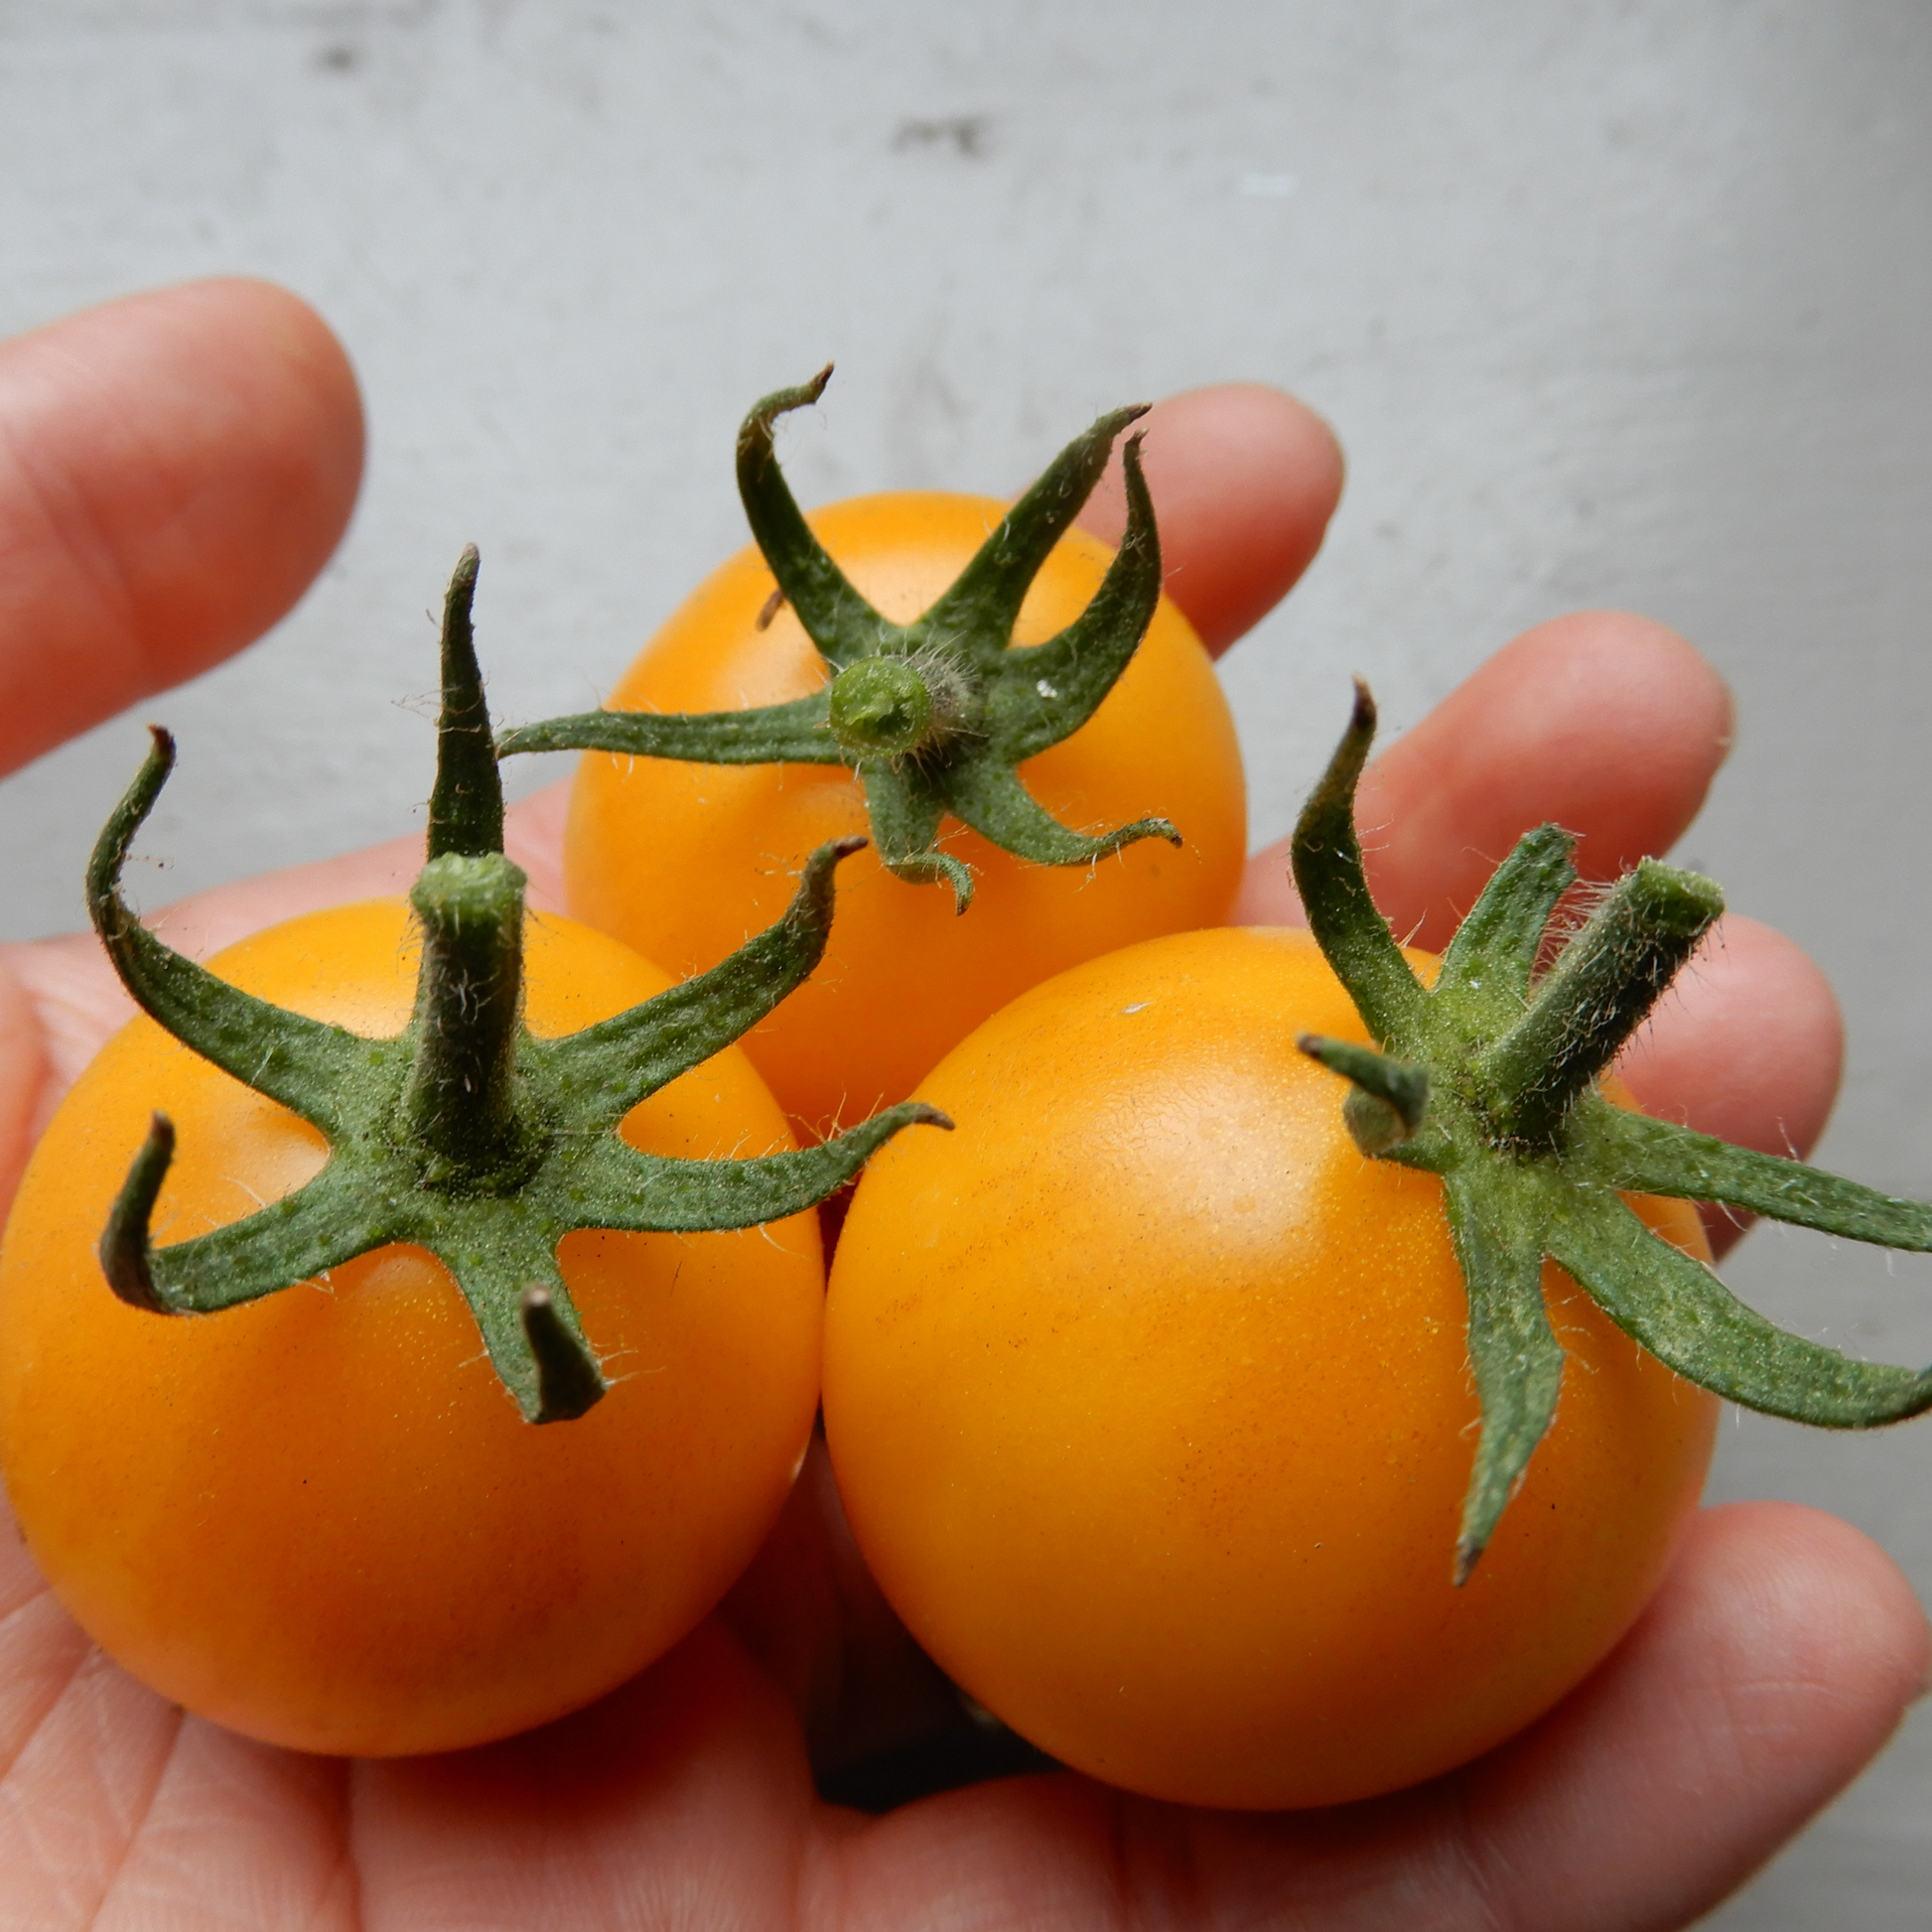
{"x": 181, "y": 464}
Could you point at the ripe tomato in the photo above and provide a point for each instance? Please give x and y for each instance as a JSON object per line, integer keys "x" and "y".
{"x": 318, "y": 1518}
{"x": 682, "y": 861}
{"x": 1149, "y": 1401}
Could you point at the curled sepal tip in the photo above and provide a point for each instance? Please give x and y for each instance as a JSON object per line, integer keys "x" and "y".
{"x": 1390, "y": 1096}
{"x": 1689, "y": 1319}
{"x": 623, "y": 1058}
{"x": 569, "y": 1380}
{"x": 298, "y": 1061}
{"x": 110, "y": 854}
{"x": 125, "y": 1243}
{"x": 933, "y": 717}
{"x": 1326, "y": 857}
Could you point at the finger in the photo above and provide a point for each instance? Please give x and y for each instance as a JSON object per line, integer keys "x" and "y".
{"x": 1778, "y": 1659}
{"x": 1609, "y": 725}
{"x": 1605, "y": 724}
{"x": 175, "y": 468}
{"x": 1244, "y": 481}
{"x": 24, "y": 1075}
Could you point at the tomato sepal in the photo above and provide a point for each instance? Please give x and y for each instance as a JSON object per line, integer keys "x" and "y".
{"x": 569, "y": 1380}
{"x": 1680, "y": 1311}
{"x": 466, "y": 803}
{"x": 1638, "y": 1155}
{"x": 934, "y": 717}
{"x": 1353, "y": 937}
{"x": 1387, "y": 1097}
{"x": 1514, "y": 1353}
{"x": 466, "y": 1135}
{"x": 300, "y": 1062}
{"x": 1489, "y": 1079}
{"x": 795, "y": 733}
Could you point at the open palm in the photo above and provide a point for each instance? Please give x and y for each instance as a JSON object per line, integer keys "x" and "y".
{"x": 174, "y": 469}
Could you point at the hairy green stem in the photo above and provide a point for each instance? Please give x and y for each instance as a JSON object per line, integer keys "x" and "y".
{"x": 462, "y": 1101}
{"x": 1599, "y": 992}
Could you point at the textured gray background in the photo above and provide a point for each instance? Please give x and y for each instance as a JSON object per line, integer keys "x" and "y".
{"x": 1612, "y": 302}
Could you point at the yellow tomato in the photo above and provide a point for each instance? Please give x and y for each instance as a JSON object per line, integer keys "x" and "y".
{"x": 683, "y": 861}
{"x": 1150, "y": 1404}
{"x": 318, "y": 1518}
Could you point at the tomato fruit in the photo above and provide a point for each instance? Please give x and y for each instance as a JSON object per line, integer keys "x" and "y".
{"x": 1150, "y": 1404}
{"x": 318, "y": 1518}
{"x": 682, "y": 860}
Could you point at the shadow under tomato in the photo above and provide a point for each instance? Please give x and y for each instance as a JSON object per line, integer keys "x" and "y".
{"x": 975, "y": 1750}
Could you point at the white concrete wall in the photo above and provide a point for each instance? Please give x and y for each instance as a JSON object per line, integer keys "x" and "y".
{"x": 1612, "y": 302}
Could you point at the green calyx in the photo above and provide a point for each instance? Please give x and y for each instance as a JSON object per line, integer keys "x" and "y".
{"x": 935, "y": 716}
{"x": 1488, "y": 1079}
{"x": 466, "y": 1134}
{"x": 894, "y": 708}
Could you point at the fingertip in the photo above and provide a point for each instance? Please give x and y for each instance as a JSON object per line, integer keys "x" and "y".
{"x": 178, "y": 464}
{"x": 1607, "y": 724}
{"x": 1777, "y": 1658}
{"x": 1809, "y": 1599}
{"x": 1244, "y": 478}
{"x": 1807, "y": 1635}
{"x": 1748, "y": 1045}
{"x": 1637, "y": 663}
{"x": 318, "y": 387}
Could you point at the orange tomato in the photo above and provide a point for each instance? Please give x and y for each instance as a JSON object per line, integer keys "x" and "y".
{"x": 1150, "y": 1405}
{"x": 318, "y": 1518}
{"x": 683, "y": 861}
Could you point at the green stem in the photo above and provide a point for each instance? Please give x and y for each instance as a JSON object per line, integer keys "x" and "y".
{"x": 461, "y": 1103}
{"x": 890, "y": 707}
{"x": 1596, "y": 996}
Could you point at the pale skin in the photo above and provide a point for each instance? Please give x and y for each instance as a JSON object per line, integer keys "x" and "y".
{"x": 174, "y": 469}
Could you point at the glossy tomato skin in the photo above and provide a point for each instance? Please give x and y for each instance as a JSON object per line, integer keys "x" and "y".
{"x": 318, "y": 1518}
{"x": 684, "y": 861}
{"x": 1149, "y": 1402}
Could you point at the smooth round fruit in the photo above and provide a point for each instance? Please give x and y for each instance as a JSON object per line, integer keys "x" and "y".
{"x": 318, "y": 1518}
{"x": 683, "y": 861}
{"x": 1150, "y": 1405}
